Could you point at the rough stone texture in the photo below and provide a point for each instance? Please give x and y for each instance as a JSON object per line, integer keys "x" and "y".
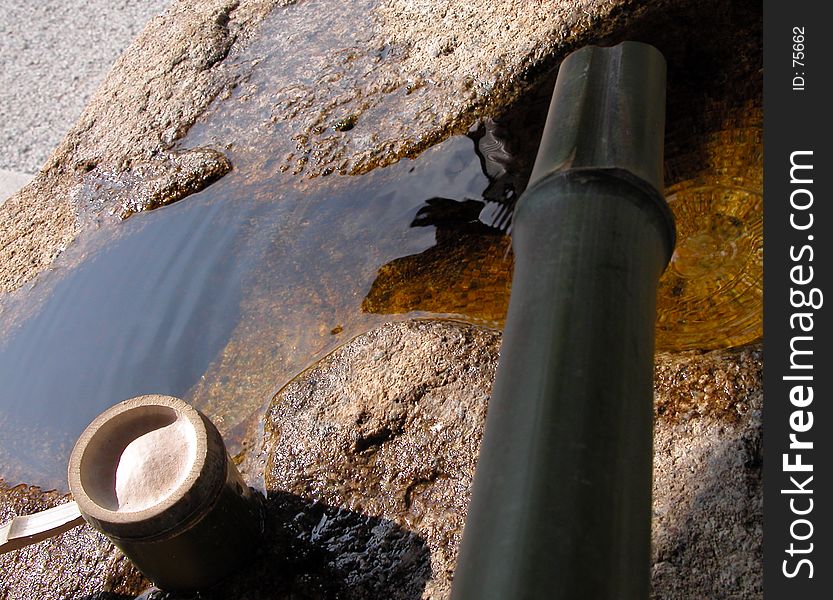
{"x": 389, "y": 72}
{"x": 716, "y": 385}
{"x": 386, "y": 85}
{"x": 389, "y": 426}
{"x": 36, "y": 225}
{"x": 154, "y": 92}
{"x": 55, "y": 53}
{"x": 708, "y": 507}
{"x": 708, "y": 494}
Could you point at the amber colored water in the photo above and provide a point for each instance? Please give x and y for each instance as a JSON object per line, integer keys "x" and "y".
{"x": 222, "y": 298}
{"x": 711, "y": 295}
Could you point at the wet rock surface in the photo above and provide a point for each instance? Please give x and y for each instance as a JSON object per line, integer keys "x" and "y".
{"x": 162, "y": 180}
{"x": 481, "y": 263}
{"x": 720, "y": 385}
{"x": 154, "y": 92}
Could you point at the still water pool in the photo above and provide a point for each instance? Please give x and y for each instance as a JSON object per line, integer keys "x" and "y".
{"x": 221, "y": 298}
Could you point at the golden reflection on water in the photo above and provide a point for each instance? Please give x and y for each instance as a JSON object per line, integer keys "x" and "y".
{"x": 469, "y": 275}
{"x": 711, "y": 294}
{"x": 709, "y": 297}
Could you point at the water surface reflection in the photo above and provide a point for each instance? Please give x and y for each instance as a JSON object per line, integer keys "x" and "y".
{"x": 225, "y": 296}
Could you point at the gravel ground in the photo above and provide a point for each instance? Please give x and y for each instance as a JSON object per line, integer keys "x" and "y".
{"x": 53, "y": 54}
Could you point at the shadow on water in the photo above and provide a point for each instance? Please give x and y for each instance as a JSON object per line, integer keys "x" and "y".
{"x": 222, "y": 298}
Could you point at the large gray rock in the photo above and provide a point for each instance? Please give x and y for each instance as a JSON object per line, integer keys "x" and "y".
{"x": 375, "y": 76}
{"x": 708, "y": 456}
{"x": 389, "y": 426}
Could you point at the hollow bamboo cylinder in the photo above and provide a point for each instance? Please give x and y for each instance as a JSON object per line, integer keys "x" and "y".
{"x": 188, "y": 520}
{"x": 561, "y": 499}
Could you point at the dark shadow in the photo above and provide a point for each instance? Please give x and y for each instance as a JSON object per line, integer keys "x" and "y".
{"x": 448, "y": 216}
{"x": 714, "y": 89}
{"x": 469, "y": 271}
{"x": 713, "y": 139}
{"x": 714, "y": 52}
{"x": 712, "y": 83}
{"x": 311, "y": 551}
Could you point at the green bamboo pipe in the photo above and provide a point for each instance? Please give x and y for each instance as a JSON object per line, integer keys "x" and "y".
{"x": 561, "y": 501}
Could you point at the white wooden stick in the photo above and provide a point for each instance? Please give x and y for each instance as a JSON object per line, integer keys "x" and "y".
{"x": 30, "y": 529}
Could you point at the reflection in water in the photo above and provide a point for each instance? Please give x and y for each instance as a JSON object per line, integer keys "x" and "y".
{"x": 505, "y": 172}
{"x": 468, "y": 271}
{"x": 145, "y": 316}
{"x": 223, "y": 297}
